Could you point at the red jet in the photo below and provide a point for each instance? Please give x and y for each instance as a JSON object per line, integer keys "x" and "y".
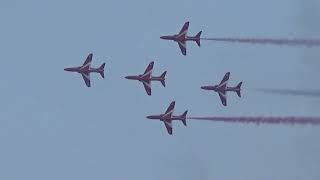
{"x": 86, "y": 69}
{"x": 222, "y": 88}
{"x": 182, "y": 37}
{"x": 147, "y": 77}
{"x": 167, "y": 117}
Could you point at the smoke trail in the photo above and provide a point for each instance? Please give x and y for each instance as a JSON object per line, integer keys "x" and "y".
{"x": 289, "y": 42}
{"x": 264, "y": 120}
{"x": 313, "y": 93}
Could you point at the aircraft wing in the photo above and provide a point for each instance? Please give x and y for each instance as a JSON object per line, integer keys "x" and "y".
{"x": 168, "y": 124}
{"x": 147, "y": 87}
{"x": 223, "y": 97}
{"x": 224, "y": 82}
{"x": 87, "y": 63}
{"x": 169, "y": 111}
{"x": 182, "y": 46}
{"x": 86, "y": 78}
{"x": 184, "y": 30}
{"x": 148, "y": 71}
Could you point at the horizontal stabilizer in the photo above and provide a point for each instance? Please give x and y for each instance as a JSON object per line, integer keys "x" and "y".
{"x": 101, "y": 70}
{"x": 184, "y": 117}
{"x": 239, "y": 89}
{"x": 163, "y": 78}
{"x": 197, "y": 37}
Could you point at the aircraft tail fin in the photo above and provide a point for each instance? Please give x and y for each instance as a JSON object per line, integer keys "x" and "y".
{"x": 184, "y": 117}
{"x": 163, "y": 78}
{"x": 101, "y": 70}
{"x": 239, "y": 89}
{"x": 198, "y": 38}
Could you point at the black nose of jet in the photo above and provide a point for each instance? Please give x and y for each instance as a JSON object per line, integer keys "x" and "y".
{"x": 130, "y": 77}
{"x": 67, "y": 69}
{"x": 166, "y": 37}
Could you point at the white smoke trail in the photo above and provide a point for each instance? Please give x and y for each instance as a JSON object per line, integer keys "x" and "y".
{"x": 289, "y": 42}
{"x": 264, "y": 120}
{"x": 312, "y": 93}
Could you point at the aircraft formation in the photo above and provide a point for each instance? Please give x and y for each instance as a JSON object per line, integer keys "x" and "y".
{"x": 146, "y": 78}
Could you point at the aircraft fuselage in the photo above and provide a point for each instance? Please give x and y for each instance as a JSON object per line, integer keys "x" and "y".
{"x": 81, "y": 70}
{"x": 181, "y": 38}
{"x": 217, "y": 89}
{"x": 162, "y": 118}
{"x": 141, "y": 78}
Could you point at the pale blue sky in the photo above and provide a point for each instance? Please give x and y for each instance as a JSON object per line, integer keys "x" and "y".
{"x": 53, "y": 127}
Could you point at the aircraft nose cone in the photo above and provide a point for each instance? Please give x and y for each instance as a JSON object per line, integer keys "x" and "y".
{"x": 165, "y": 37}
{"x": 67, "y": 69}
{"x": 153, "y": 117}
{"x": 130, "y": 77}
{"x": 206, "y": 88}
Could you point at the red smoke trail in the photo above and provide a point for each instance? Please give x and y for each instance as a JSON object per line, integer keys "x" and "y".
{"x": 264, "y": 120}
{"x": 289, "y": 42}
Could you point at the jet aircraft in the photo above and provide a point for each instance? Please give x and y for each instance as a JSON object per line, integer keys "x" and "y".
{"x": 168, "y": 117}
{"x": 147, "y": 77}
{"x": 182, "y": 38}
{"x": 86, "y": 69}
{"x": 222, "y": 88}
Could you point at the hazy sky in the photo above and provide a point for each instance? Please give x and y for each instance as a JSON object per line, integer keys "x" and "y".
{"x": 53, "y": 127}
